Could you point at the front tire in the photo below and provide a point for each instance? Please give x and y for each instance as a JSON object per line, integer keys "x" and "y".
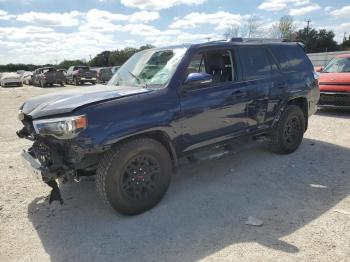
{"x": 134, "y": 176}
{"x": 289, "y": 132}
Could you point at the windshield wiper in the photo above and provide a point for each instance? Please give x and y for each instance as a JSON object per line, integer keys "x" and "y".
{"x": 139, "y": 79}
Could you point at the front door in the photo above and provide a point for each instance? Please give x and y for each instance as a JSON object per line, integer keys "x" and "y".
{"x": 215, "y": 111}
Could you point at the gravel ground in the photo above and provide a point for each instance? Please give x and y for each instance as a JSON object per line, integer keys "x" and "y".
{"x": 303, "y": 200}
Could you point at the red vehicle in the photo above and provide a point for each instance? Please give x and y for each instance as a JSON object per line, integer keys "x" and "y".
{"x": 334, "y": 83}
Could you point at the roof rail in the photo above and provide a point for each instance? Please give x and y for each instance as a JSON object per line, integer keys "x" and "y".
{"x": 260, "y": 40}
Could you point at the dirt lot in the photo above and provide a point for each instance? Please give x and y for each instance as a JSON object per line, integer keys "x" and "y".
{"x": 302, "y": 198}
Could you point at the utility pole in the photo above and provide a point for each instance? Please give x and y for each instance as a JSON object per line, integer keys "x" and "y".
{"x": 208, "y": 38}
{"x": 308, "y": 21}
{"x": 227, "y": 34}
{"x": 308, "y": 26}
{"x": 344, "y": 38}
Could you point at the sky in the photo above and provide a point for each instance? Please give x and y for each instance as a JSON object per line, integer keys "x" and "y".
{"x": 49, "y": 31}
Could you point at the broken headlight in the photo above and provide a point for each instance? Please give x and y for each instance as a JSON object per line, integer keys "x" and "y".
{"x": 61, "y": 128}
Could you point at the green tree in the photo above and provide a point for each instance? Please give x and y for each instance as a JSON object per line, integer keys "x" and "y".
{"x": 65, "y": 64}
{"x": 346, "y": 44}
{"x": 317, "y": 41}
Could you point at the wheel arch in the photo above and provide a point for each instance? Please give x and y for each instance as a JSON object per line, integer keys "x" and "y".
{"x": 303, "y": 104}
{"x": 159, "y": 136}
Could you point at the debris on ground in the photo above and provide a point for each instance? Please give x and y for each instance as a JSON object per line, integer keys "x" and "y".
{"x": 252, "y": 221}
{"x": 318, "y": 186}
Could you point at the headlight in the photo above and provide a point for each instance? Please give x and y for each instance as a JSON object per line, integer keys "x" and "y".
{"x": 61, "y": 128}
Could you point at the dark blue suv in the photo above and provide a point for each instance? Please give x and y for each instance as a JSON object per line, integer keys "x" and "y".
{"x": 163, "y": 104}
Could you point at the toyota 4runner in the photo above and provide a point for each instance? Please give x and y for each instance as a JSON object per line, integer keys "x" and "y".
{"x": 164, "y": 103}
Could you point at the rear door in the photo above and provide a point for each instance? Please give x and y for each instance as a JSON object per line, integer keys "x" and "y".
{"x": 216, "y": 111}
{"x": 264, "y": 85}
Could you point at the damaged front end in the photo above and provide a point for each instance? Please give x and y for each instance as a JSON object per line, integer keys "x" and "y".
{"x": 50, "y": 156}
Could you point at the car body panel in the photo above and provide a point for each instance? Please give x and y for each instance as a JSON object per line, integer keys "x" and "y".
{"x": 335, "y": 88}
{"x": 68, "y": 101}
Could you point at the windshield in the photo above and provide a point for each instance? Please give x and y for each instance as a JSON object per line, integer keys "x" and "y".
{"x": 149, "y": 68}
{"x": 338, "y": 65}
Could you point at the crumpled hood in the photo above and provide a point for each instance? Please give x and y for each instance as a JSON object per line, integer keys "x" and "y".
{"x": 67, "y": 101}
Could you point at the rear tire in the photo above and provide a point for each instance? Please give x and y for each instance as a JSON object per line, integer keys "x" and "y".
{"x": 134, "y": 176}
{"x": 289, "y": 132}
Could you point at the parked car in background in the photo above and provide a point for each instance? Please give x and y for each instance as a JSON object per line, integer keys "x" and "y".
{"x": 334, "y": 83}
{"x": 26, "y": 78}
{"x": 114, "y": 69}
{"x": 166, "y": 103}
{"x": 48, "y": 76}
{"x": 10, "y": 79}
{"x": 103, "y": 74}
{"x": 80, "y": 74}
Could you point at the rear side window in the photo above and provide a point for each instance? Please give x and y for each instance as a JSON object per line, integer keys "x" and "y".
{"x": 291, "y": 58}
{"x": 256, "y": 62}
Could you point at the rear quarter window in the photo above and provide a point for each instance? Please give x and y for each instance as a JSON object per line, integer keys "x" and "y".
{"x": 291, "y": 58}
{"x": 256, "y": 62}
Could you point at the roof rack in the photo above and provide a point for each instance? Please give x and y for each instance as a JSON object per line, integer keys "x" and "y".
{"x": 259, "y": 40}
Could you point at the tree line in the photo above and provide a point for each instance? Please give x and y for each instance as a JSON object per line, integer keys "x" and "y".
{"x": 315, "y": 41}
{"x": 103, "y": 59}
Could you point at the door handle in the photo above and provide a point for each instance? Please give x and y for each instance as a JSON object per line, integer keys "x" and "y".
{"x": 239, "y": 93}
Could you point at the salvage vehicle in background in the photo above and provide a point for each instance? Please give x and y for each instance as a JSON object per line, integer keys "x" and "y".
{"x": 64, "y": 71}
{"x": 47, "y": 76}
{"x": 114, "y": 69}
{"x": 26, "y": 78}
{"x": 166, "y": 103}
{"x": 103, "y": 74}
{"x": 80, "y": 74}
{"x": 334, "y": 83}
{"x": 10, "y": 79}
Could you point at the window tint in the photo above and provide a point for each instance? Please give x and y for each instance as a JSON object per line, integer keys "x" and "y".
{"x": 291, "y": 58}
{"x": 256, "y": 62}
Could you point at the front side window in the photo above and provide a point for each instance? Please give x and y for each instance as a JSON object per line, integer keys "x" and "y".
{"x": 149, "y": 68}
{"x": 256, "y": 62}
{"x": 219, "y": 64}
{"x": 338, "y": 65}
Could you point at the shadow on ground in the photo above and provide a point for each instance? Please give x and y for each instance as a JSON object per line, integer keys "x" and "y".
{"x": 335, "y": 113}
{"x": 204, "y": 210}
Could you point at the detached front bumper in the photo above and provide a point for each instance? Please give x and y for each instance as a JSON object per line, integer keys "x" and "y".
{"x": 332, "y": 99}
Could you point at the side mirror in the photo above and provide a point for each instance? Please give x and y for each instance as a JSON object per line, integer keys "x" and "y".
{"x": 198, "y": 79}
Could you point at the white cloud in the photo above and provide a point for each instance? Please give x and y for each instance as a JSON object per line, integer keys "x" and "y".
{"x": 103, "y": 21}
{"x": 220, "y": 19}
{"x": 343, "y": 12}
{"x": 50, "y": 19}
{"x": 159, "y": 4}
{"x": 5, "y": 16}
{"x": 144, "y": 16}
{"x": 304, "y": 10}
{"x": 328, "y": 8}
{"x": 277, "y": 5}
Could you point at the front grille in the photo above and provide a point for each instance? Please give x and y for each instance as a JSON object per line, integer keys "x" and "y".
{"x": 335, "y": 99}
